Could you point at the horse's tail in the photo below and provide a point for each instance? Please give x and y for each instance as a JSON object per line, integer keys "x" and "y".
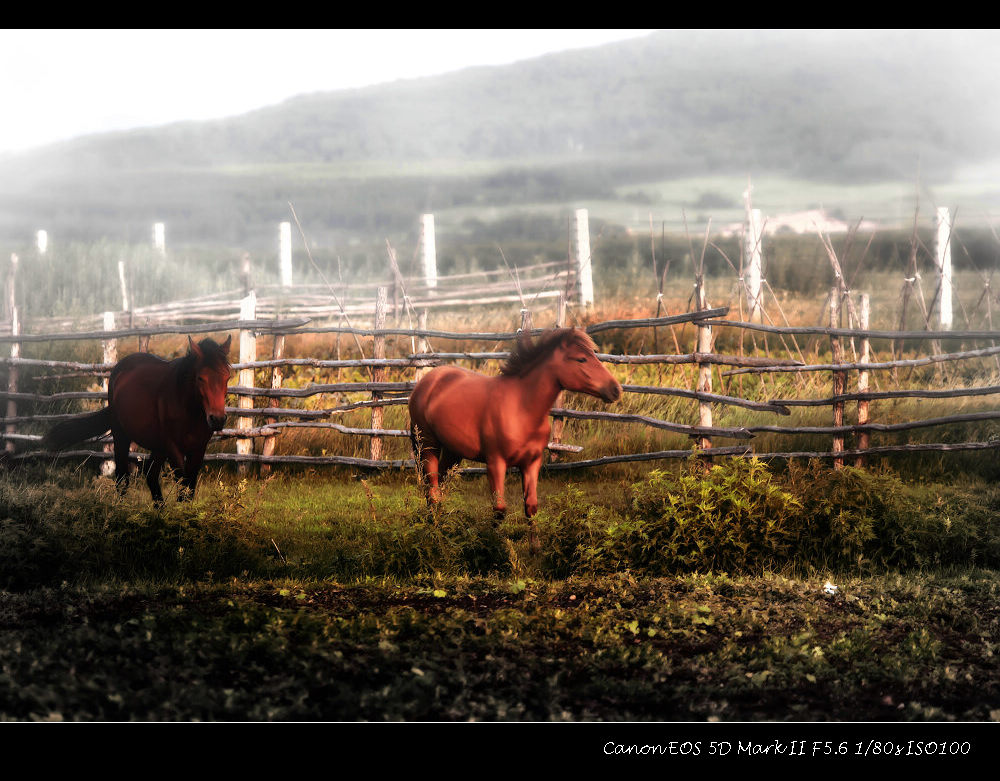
{"x": 414, "y": 443}
{"x": 77, "y": 429}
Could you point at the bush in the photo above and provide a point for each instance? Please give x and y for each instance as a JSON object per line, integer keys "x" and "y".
{"x": 47, "y": 536}
{"x": 732, "y": 517}
{"x": 578, "y": 536}
{"x": 872, "y": 518}
{"x": 729, "y": 517}
{"x": 737, "y": 516}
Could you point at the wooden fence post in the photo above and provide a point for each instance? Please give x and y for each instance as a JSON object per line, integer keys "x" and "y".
{"x": 584, "y": 268}
{"x": 277, "y": 375}
{"x": 864, "y": 437}
{"x": 428, "y": 250}
{"x": 704, "y": 369}
{"x": 422, "y": 344}
{"x": 558, "y": 421}
{"x": 839, "y": 377}
{"x": 248, "y": 353}
{"x": 285, "y": 253}
{"x": 378, "y": 374}
{"x": 15, "y": 348}
{"x": 110, "y": 357}
{"x": 944, "y": 265}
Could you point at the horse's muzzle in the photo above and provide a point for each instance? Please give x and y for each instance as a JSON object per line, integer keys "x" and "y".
{"x": 216, "y": 422}
{"x": 611, "y": 392}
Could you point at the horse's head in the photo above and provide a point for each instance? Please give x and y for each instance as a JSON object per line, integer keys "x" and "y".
{"x": 578, "y": 368}
{"x": 211, "y": 375}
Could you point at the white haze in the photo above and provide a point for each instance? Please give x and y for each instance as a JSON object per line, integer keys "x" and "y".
{"x": 60, "y": 84}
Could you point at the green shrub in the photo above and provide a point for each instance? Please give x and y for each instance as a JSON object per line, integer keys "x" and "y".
{"x": 730, "y": 517}
{"x": 457, "y": 542}
{"x": 49, "y": 534}
{"x": 578, "y": 536}
{"x": 873, "y": 518}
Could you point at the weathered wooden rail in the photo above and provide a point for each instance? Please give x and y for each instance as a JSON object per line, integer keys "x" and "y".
{"x": 275, "y": 418}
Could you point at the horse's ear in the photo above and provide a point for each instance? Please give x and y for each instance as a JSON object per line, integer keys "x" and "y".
{"x": 225, "y": 345}
{"x": 193, "y": 347}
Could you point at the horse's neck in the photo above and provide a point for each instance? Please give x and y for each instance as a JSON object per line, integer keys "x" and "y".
{"x": 183, "y": 380}
{"x": 539, "y": 389}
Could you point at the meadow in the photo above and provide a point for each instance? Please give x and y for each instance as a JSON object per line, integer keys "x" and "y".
{"x": 663, "y": 591}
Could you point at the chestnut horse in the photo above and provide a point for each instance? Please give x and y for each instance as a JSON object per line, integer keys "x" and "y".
{"x": 503, "y": 421}
{"x": 172, "y": 408}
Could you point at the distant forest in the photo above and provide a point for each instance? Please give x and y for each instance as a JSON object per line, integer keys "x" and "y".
{"x": 860, "y": 107}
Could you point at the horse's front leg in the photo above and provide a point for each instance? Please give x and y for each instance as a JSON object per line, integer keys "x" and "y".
{"x": 176, "y": 459}
{"x": 122, "y": 467}
{"x": 529, "y": 487}
{"x": 152, "y": 466}
{"x": 189, "y": 480}
{"x": 496, "y": 471}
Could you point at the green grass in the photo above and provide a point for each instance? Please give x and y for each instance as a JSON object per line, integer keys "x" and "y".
{"x": 690, "y": 648}
{"x": 314, "y": 596}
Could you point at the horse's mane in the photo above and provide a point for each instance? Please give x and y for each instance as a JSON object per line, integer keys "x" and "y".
{"x": 212, "y": 355}
{"x": 526, "y": 354}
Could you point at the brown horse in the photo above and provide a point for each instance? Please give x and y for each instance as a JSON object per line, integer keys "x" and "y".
{"x": 503, "y": 421}
{"x": 172, "y": 408}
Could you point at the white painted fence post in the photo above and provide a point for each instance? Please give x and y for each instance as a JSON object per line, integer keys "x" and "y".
{"x": 752, "y": 251}
{"x": 248, "y": 353}
{"x": 379, "y": 372}
{"x": 15, "y": 348}
{"x": 110, "y": 358}
{"x": 944, "y": 227}
{"x": 285, "y": 253}
{"x": 704, "y": 369}
{"x": 864, "y": 438}
{"x": 583, "y": 258}
{"x": 277, "y": 375}
{"x": 428, "y": 249}
{"x": 839, "y": 377}
{"x": 124, "y": 286}
{"x": 159, "y": 237}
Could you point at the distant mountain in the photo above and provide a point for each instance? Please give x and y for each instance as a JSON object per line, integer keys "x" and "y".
{"x": 849, "y": 105}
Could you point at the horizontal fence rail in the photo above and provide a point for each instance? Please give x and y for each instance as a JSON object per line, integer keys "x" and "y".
{"x": 269, "y": 422}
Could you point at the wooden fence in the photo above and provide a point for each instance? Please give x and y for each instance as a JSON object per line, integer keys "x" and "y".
{"x": 266, "y": 423}
{"x": 280, "y": 312}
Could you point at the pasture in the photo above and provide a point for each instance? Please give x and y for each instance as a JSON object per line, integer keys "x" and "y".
{"x": 325, "y": 597}
{"x": 729, "y": 590}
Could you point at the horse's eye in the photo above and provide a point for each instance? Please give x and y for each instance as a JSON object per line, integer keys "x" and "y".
{"x": 580, "y": 360}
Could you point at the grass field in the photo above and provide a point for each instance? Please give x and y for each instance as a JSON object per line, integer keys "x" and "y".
{"x": 662, "y": 591}
{"x": 784, "y": 597}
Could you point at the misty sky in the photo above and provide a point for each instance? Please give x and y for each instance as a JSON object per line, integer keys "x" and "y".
{"x": 59, "y": 84}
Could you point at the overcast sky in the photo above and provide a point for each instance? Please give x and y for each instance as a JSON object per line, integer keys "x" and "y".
{"x": 59, "y": 84}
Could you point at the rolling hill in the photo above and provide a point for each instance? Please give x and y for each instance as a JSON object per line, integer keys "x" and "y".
{"x": 853, "y": 107}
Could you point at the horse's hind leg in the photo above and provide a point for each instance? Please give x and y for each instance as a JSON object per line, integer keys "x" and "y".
{"x": 446, "y": 462}
{"x": 430, "y": 461}
{"x": 529, "y": 486}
